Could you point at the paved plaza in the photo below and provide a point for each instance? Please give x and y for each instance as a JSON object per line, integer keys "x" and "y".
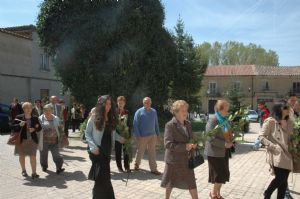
{"x": 249, "y": 176}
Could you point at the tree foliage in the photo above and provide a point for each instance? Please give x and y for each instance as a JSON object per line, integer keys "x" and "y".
{"x": 189, "y": 70}
{"x": 115, "y": 47}
{"x": 234, "y": 96}
{"x": 236, "y": 53}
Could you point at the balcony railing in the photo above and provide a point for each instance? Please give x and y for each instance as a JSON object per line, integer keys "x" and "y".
{"x": 213, "y": 93}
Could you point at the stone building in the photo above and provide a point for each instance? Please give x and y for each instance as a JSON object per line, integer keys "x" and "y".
{"x": 256, "y": 83}
{"x": 26, "y": 72}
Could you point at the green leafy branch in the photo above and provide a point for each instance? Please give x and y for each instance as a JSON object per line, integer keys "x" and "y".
{"x": 237, "y": 120}
{"x": 123, "y": 129}
{"x": 294, "y": 146}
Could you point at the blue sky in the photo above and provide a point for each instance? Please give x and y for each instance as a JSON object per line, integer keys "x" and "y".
{"x": 273, "y": 24}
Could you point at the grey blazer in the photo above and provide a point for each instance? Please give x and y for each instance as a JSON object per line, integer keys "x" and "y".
{"x": 175, "y": 140}
{"x": 214, "y": 146}
{"x": 57, "y": 112}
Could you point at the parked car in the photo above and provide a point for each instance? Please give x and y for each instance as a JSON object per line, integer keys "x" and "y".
{"x": 252, "y": 116}
{"x": 203, "y": 117}
{"x": 4, "y": 118}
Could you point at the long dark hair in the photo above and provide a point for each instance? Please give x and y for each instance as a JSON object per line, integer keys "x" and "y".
{"x": 100, "y": 113}
{"x": 277, "y": 109}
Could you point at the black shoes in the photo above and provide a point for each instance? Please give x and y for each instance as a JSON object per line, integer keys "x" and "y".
{"x": 34, "y": 175}
{"x": 24, "y": 174}
{"x": 58, "y": 171}
{"x": 120, "y": 169}
{"x": 128, "y": 170}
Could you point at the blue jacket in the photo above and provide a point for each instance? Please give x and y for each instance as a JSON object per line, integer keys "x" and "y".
{"x": 145, "y": 123}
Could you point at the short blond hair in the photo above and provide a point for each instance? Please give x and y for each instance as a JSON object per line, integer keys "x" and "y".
{"x": 48, "y": 107}
{"x": 177, "y": 105}
{"x": 26, "y": 104}
{"x": 221, "y": 105}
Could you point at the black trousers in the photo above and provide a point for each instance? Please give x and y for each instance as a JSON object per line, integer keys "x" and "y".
{"x": 118, "y": 150}
{"x": 75, "y": 124}
{"x": 280, "y": 183}
{"x": 66, "y": 128}
{"x": 100, "y": 173}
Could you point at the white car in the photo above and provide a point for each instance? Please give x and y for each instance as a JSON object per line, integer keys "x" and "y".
{"x": 252, "y": 116}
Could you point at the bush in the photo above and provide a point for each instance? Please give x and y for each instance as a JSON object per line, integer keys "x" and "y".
{"x": 198, "y": 126}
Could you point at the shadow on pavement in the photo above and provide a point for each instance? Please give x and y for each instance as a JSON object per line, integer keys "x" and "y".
{"x": 294, "y": 192}
{"x": 54, "y": 180}
{"x": 78, "y": 158}
{"x": 142, "y": 175}
{"x": 77, "y": 148}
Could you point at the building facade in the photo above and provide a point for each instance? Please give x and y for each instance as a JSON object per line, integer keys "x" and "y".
{"x": 256, "y": 83}
{"x": 26, "y": 72}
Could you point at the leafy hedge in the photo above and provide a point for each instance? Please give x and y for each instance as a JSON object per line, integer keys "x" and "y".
{"x": 198, "y": 126}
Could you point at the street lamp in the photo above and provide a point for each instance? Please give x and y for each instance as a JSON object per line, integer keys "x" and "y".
{"x": 208, "y": 94}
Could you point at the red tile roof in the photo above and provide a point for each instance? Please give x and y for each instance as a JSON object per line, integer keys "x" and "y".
{"x": 251, "y": 70}
{"x": 230, "y": 70}
{"x": 20, "y": 31}
{"x": 14, "y": 34}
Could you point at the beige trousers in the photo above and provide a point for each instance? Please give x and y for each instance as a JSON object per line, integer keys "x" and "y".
{"x": 148, "y": 142}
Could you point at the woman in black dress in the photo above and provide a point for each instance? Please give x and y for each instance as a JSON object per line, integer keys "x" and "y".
{"x": 101, "y": 135}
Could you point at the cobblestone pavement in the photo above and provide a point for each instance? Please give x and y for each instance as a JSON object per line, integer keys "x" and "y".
{"x": 249, "y": 176}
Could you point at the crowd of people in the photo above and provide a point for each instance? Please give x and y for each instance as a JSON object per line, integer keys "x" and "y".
{"x": 43, "y": 127}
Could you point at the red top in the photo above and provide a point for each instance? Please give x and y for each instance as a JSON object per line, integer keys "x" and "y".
{"x": 265, "y": 113}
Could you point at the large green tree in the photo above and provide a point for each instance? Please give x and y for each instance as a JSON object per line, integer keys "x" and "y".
{"x": 236, "y": 53}
{"x": 115, "y": 47}
{"x": 189, "y": 69}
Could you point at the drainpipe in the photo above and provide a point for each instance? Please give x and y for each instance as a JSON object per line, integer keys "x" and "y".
{"x": 252, "y": 91}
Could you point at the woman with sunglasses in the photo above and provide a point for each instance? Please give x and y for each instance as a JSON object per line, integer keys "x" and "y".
{"x": 276, "y": 133}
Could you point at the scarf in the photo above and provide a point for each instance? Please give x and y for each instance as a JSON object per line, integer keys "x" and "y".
{"x": 223, "y": 122}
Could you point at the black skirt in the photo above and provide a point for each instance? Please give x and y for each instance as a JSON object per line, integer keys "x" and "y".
{"x": 100, "y": 173}
{"x": 218, "y": 169}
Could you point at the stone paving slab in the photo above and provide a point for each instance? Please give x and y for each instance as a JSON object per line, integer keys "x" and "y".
{"x": 249, "y": 176}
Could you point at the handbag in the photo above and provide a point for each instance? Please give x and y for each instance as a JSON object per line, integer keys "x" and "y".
{"x": 195, "y": 158}
{"x": 14, "y": 138}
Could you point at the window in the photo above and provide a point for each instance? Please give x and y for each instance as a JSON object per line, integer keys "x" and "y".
{"x": 265, "y": 86}
{"x": 237, "y": 85}
{"x": 296, "y": 87}
{"x": 212, "y": 87}
{"x": 44, "y": 93}
{"x": 44, "y": 62}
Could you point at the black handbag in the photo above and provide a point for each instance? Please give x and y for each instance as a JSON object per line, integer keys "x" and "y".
{"x": 195, "y": 158}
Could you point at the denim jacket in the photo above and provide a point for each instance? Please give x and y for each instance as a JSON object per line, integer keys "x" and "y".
{"x": 94, "y": 136}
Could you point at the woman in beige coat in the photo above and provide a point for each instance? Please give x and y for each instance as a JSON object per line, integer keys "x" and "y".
{"x": 275, "y": 136}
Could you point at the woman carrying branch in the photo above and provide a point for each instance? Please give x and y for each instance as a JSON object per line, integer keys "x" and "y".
{"x": 215, "y": 148}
